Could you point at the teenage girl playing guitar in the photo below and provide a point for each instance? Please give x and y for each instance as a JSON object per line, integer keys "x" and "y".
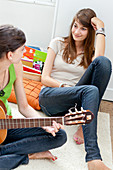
{"x": 25, "y": 143}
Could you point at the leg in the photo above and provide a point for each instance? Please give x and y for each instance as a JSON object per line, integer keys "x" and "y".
{"x": 97, "y": 74}
{"x": 11, "y": 161}
{"x": 42, "y": 155}
{"x": 90, "y": 99}
{"x": 97, "y": 165}
{"x": 21, "y": 142}
{"x": 57, "y": 100}
{"x": 78, "y": 136}
{"x": 87, "y": 96}
{"x": 100, "y": 67}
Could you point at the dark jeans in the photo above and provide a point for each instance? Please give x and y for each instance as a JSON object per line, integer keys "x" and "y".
{"x": 87, "y": 93}
{"x": 20, "y": 142}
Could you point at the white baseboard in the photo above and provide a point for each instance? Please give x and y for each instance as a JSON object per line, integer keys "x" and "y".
{"x": 108, "y": 95}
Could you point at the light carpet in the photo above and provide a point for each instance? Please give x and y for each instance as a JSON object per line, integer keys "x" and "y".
{"x": 72, "y": 156}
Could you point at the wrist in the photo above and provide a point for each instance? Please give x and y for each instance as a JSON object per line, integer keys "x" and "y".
{"x": 101, "y": 31}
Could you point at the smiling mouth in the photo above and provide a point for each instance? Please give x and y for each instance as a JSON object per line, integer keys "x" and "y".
{"x": 77, "y": 36}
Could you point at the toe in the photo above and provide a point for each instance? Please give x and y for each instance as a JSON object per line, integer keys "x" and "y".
{"x": 54, "y": 158}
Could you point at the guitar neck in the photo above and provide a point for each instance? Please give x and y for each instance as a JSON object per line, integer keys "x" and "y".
{"x": 29, "y": 122}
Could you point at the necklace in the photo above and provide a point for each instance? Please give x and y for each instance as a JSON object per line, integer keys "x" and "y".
{"x": 2, "y": 84}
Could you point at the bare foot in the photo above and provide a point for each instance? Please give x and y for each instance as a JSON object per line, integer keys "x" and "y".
{"x": 78, "y": 136}
{"x": 97, "y": 165}
{"x": 42, "y": 155}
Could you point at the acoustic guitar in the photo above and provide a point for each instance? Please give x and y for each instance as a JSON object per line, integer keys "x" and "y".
{"x": 74, "y": 117}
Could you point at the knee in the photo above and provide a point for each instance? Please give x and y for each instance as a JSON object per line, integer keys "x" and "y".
{"x": 62, "y": 137}
{"x": 105, "y": 62}
{"x": 95, "y": 92}
{"x": 92, "y": 91}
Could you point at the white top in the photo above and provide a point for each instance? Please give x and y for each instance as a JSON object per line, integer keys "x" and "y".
{"x": 62, "y": 71}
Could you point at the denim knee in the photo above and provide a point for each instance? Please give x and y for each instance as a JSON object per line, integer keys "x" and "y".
{"x": 95, "y": 93}
{"x": 106, "y": 63}
{"x": 92, "y": 91}
{"x": 62, "y": 137}
{"x": 90, "y": 98}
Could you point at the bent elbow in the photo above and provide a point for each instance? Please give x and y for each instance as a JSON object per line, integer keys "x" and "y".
{"x": 43, "y": 80}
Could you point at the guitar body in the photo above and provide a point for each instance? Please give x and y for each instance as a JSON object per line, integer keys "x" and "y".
{"x": 3, "y": 132}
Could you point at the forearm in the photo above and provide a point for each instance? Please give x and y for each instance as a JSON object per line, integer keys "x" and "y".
{"x": 100, "y": 38}
{"x": 50, "y": 82}
{"x": 29, "y": 112}
{"x": 100, "y": 42}
{"x": 100, "y": 45}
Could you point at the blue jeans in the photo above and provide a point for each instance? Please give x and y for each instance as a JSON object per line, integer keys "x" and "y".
{"x": 87, "y": 94}
{"x": 21, "y": 142}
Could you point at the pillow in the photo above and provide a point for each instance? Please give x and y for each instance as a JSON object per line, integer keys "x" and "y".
{"x": 32, "y": 90}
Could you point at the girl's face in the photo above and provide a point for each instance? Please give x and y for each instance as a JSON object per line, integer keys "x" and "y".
{"x": 79, "y": 32}
{"x": 18, "y": 54}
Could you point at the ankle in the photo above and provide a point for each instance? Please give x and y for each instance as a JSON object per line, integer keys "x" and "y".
{"x": 97, "y": 165}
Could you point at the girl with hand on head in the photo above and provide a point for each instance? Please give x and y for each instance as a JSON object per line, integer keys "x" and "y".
{"x": 21, "y": 145}
{"x": 77, "y": 72}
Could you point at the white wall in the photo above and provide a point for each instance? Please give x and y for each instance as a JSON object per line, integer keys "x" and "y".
{"x": 37, "y": 22}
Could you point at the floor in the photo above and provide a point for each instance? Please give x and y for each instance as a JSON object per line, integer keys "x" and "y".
{"x": 107, "y": 107}
{"x": 76, "y": 162}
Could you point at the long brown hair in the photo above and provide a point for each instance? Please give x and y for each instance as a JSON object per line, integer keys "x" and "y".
{"x": 84, "y": 17}
{"x": 11, "y": 38}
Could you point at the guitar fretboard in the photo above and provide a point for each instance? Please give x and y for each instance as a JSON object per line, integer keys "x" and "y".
{"x": 27, "y": 123}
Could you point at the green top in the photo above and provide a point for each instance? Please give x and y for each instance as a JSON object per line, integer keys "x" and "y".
{"x": 8, "y": 88}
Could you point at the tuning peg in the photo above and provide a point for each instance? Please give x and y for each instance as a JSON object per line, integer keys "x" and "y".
{"x": 82, "y": 110}
{"x": 83, "y": 115}
{"x": 70, "y": 111}
{"x": 76, "y": 107}
{"x": 73, "y": 110}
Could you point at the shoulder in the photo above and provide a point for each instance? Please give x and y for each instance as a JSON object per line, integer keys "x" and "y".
{"x": 58, "y": 39}
{"x": 56, "y": 44}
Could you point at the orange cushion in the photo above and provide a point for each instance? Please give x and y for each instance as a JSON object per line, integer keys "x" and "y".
{"x": 32, "y": 90}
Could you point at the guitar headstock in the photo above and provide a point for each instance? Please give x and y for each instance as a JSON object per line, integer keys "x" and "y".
{"x": 75, "y": 117}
